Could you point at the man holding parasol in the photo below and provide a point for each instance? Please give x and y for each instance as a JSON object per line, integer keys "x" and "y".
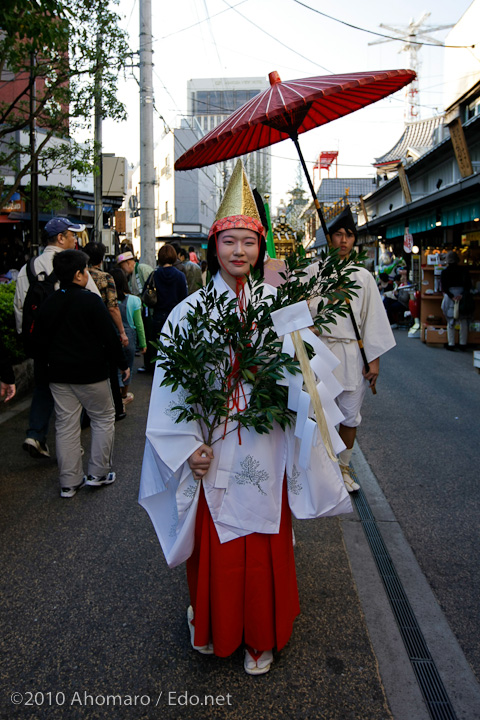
{"x": 358, "y": 368}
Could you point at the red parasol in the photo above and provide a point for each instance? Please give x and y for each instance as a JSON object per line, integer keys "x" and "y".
{"x": 288, "y": 109}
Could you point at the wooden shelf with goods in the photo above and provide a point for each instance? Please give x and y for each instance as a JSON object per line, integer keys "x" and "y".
{"x": 432, "y": 321}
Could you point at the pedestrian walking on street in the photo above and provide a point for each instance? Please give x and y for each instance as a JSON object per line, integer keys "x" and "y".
{"x": 61, "y": 235}
{"x": 108, "y": 292}
{"x": 137, "y": 275}
{"x": 131, "y": 312}
{"x": 171, "y": 286}
{"x": 75, "y": 343}
{"x": 193, "y": 272}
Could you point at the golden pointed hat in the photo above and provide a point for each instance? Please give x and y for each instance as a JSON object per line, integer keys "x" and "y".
{"x": 238, "y": 208}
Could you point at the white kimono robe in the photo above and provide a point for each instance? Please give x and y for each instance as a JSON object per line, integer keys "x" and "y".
{"x": 374, "y": 328}
{"x": 243, "y": 486}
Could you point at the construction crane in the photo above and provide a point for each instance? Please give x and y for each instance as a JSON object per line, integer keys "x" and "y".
{"x": 412, "y": 36}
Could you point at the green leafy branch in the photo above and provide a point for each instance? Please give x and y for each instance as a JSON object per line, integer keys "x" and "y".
{"x": 228, "y": 360}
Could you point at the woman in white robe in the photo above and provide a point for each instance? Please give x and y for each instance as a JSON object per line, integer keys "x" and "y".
{"x": 225, "y": 508}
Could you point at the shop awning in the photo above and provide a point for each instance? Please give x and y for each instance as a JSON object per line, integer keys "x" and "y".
{"x": 5, "y": 219}
{"x": 462, "y": 214}
{"x": 447, "y": 216}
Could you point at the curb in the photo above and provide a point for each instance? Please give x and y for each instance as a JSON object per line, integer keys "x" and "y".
{"x": 403, "y": 693}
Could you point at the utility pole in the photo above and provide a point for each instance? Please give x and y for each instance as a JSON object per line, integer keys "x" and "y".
{"x": 97, "y": 140}
{"x": 147, "y": 170}
{"x": 33, "y": 158}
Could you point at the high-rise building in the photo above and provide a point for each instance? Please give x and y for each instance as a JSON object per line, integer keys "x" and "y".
{"x": 212, "y": 100}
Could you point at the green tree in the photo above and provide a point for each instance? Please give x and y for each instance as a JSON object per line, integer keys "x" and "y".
{"x": 51, "y": 46}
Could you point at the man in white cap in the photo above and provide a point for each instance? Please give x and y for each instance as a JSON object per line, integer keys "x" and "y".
{"x": 136, "y": 272}
{"x": 61, "y": 235}
{"x": 137, "y": 275}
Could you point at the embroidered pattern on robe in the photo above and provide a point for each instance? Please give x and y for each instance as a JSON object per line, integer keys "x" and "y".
{"x": 292, "y": 481}
{"x": 251, "y": 474}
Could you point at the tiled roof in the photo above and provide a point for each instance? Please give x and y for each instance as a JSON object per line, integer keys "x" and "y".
{"x": 332, "y": 189}
{"x": 417, "y": 138}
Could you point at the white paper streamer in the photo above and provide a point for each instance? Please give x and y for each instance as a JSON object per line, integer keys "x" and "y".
{"x": 295, "y": 383}
{"x": 308, "y": 437}
{"x": 330, "y": 407}
{"x": 303, "y": 411}
{"x": 297, "y": 318}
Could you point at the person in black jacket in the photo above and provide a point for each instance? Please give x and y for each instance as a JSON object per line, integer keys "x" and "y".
{"x": 170, "y": 284}
{"x": 75, "y": 343}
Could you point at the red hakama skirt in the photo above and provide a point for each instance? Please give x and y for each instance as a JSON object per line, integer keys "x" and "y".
{"x": 244, "y": 590}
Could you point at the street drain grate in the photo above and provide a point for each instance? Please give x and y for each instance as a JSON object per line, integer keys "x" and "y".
{"x": 426, "y": 673}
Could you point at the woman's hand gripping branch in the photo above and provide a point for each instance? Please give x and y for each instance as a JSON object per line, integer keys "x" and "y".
{"x": 200, "y": 460}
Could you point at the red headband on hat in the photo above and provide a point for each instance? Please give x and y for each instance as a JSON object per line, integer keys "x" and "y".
{"x": 237, "y": 221}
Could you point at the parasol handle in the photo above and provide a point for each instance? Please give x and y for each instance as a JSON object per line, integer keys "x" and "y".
{"x": 294, "y": 137}
{"x": 311, "y": 385}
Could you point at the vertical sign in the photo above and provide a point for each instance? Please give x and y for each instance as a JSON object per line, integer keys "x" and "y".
{"x": 402, "y": 176}
{"x": 460, "y": 147}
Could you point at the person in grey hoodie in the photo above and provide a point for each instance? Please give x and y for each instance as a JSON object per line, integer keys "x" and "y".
{"x": 171, "y": 286}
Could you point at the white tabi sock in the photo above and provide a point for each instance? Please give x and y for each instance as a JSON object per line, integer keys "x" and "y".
{"x": 345, "y": 456}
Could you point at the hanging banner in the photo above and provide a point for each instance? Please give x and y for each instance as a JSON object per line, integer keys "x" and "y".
{"x": 407, "y": 241}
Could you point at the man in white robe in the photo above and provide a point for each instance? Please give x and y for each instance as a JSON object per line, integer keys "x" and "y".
{"x": 376, "y": 335}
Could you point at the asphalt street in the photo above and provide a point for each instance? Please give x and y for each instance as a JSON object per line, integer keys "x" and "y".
{"x": 93, "y": 621}
{"x": 420, "y": 437}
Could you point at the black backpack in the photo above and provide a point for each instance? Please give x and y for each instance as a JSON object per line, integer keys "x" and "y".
{"x": 40, "y": 288}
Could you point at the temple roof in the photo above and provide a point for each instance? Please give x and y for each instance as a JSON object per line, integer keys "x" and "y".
{"x": 332, "y": 189}
{"x": 417, "y": 139}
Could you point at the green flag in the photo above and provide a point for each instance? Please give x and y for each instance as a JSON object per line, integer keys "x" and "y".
{"x": 270, "y": 243}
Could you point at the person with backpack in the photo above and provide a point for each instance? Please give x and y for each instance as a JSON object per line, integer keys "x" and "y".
{"x": 35, "y": 282}
{"x": 106, "y": 287}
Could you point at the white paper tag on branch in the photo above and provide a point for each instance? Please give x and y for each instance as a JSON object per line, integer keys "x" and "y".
{"x": 291, "y": 318}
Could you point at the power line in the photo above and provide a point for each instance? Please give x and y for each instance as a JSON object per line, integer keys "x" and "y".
{"x": 373, "y": 32}
{"x": 276, "y": 39}
{"x": 189, "y": 27}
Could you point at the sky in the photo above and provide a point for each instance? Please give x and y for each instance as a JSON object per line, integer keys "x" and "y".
{"x": 236, "y": 38}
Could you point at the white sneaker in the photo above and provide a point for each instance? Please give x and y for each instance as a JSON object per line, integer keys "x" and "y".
{"x": 70, "y": 492}
{"x": 350, "y": 483}
{"x": 95, "y": 481}
{"x": 35, "y": 448}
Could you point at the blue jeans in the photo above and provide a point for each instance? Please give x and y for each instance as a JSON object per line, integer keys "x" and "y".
{"x": 41, "y": 408}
